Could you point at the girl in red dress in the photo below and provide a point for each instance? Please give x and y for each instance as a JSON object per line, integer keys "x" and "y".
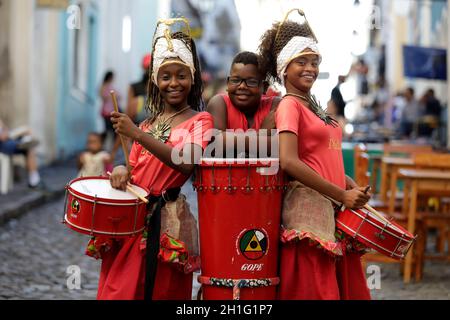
{"x": 316, "y": 261}
{"x": 159, "y": 263}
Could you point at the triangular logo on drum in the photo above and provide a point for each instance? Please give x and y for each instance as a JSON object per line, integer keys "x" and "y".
{"x": 253, "y": 245}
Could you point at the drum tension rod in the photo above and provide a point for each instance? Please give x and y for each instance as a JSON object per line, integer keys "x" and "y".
{"x": 230, "y": 188}
{"x": 65, "y": 204}
{"x": 93, "y": 215}
{"x": 248, "y": 187}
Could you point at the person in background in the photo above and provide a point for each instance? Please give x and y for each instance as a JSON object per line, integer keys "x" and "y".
{"x": 94, "y": 161}
{"x": 432, "y": 112}
{"x": 137, "y": 93}
{"x": 410, "y": 115}
{"x": 337, "y": 99}
{"x": 20, "y": 141}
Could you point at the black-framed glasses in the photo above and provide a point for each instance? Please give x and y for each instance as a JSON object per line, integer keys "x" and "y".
{"x": 251, "y": 82}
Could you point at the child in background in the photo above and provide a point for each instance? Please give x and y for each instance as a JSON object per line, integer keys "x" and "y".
{"x": 94, "y": 161}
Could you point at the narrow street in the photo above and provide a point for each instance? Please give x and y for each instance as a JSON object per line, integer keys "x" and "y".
{"x": 36, "y": 251}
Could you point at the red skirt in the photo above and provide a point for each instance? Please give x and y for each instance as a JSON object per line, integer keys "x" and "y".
{"x": 122, "y": 275}
{"x": 309, "y": 273}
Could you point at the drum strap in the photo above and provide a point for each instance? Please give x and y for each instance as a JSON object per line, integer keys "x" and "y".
{"x": 153, "y": 238}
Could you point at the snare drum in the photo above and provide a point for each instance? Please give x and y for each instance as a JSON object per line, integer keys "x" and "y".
{"x": 389, "y": 239}
{"x": 93, "y": 207}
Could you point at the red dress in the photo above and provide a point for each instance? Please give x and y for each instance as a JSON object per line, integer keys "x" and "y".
{"x": 307, "y": 270}
{"x": 122, "y": 274}
{"x": 237, "y": 120}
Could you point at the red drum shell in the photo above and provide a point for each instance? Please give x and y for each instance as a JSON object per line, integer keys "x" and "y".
{"x": 391, "y": 240}
{"x": 103, "y": 216}
{"x": 238, "y": 205}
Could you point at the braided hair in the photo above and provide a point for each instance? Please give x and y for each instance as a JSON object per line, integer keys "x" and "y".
{"x": 155, "y": 103}
{"x": 272, "y": 43}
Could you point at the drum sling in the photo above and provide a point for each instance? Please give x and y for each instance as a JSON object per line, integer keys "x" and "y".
{"x": 153, "y": 237}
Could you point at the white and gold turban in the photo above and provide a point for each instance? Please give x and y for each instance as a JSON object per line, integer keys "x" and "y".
{"x": 293, "y": 49}
{"x": 171, "y": 49}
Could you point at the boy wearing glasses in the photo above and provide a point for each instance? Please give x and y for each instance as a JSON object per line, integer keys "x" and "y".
{"x": 244, "y": 106}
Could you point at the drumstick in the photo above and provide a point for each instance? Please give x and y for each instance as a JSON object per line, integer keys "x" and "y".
{"x": 130, "y": 188}
{"x": 373, "y": 210}
{"x": 116, "y": 108}
{"x": 366, "y": 206}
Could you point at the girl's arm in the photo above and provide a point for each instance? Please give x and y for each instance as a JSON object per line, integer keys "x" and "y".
{"x": 350, "y": 183}
{"x": 124, "y": 126}
{"x": 297, "y": 169}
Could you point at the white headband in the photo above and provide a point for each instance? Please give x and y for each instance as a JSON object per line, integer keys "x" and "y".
{"x": 178, "y": 50}
{"x": 292, "y": 50}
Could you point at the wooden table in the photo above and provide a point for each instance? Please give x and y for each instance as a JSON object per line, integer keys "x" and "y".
{"x": 418, "y": 182}
{"x": 376, "y": 164}
{"x": 390, "y": 165}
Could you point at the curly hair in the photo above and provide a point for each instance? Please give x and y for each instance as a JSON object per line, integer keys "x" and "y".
{"x": 155, "y": 102}
{"x": 274, "y": 40}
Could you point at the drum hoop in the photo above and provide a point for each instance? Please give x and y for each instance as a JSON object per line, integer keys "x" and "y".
{"x": 102, "y": 232}
{"x": 388, "y": 229}
{"x": 119, "y": 201}
{"x": 103, "y": 201}
{"x": 238, "y": 162}
{"x": 392, "y": 253}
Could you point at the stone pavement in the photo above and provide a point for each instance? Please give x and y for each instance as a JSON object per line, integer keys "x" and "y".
{"x": 36, "y": 250}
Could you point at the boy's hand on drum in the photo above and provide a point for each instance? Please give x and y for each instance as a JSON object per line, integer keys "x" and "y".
{"x": 123, "y": 125}
{"x": 355, "y": 198}
{"x": 119, "y": 178}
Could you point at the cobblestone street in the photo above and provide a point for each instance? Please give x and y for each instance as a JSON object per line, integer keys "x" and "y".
{"x": 36, "y": 250}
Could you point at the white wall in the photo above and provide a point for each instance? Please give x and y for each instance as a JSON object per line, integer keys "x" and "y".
{"x": 21, "y": 28}
{"x": 44, "y": 79}
{"x": 126, "y": 65}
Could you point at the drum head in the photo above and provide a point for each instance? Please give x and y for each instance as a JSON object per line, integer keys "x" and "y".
{"x": 101, "y": 188}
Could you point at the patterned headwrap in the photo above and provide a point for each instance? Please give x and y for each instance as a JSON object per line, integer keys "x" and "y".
{"x": 166, "y": 50}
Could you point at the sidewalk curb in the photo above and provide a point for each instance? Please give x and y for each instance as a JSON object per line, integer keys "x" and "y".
{"x": 35, "y": 201}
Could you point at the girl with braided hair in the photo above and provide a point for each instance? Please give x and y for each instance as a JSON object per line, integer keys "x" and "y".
{"x": 316, "y": 261}
{"x": 159, "y": 263}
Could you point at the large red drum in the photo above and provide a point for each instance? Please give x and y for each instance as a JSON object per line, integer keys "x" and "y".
{"x": 93, "y": 207}
{"x": 239, "y": 204}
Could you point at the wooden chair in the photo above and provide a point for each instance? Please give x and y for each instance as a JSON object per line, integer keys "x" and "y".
{"x": 395, "y": 148}
{"x": 406, "y": 149}
{"x": 436, "y": 214}
{"x": 6, "y": 173}
{"x": 361, "y": 164}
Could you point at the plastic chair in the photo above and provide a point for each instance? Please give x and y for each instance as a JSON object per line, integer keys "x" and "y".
{"x": 6, "y": 173}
